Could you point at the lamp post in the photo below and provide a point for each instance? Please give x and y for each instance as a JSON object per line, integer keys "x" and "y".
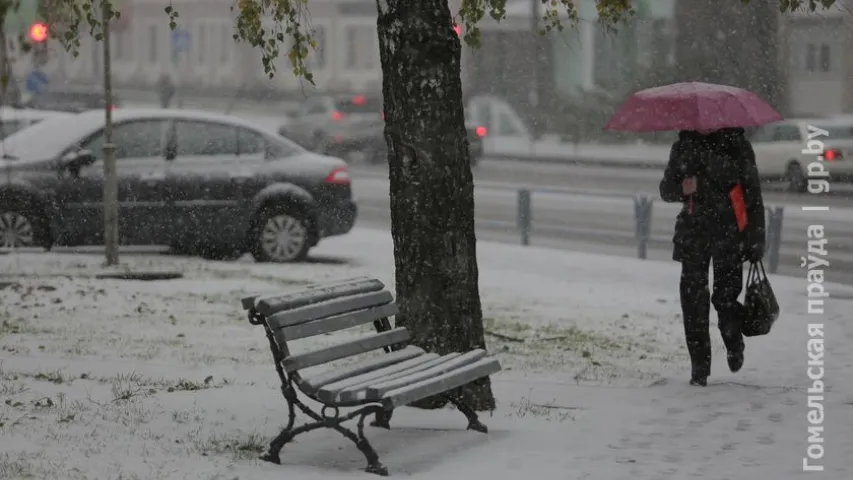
{"x": 110, "y": 180}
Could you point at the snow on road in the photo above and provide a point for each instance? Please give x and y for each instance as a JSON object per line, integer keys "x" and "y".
{"x": 117, "y": 379}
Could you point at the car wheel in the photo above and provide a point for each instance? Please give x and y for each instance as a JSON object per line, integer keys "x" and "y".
{"x": 280, "y": 235}
{"x": 797, "y": 181}
{"x": 18, "y": 229}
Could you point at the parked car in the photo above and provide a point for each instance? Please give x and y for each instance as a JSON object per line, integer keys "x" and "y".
{"x": 200, "y": 182}
{"x": 779, "y": 150}
{"x": 348, "y": 125}
{"x": 73, "y": 101}
{"x": 14, "y": 119}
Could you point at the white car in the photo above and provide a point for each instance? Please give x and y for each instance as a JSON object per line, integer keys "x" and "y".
{"x": 779, "y": 149}
{"x": 15, "y": 119}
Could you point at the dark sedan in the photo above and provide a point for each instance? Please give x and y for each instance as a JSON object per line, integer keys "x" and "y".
{"x": 199, "y": 182}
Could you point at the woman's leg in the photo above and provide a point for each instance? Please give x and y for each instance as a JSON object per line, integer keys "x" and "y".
{"x": 695, "y": 308}
{"x": 728, "y": 283}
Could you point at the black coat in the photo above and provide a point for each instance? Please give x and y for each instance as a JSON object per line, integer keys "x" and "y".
{"x": 719, "y": 162}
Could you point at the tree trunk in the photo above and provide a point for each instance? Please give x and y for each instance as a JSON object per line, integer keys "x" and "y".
{"x": 432, "y": 187}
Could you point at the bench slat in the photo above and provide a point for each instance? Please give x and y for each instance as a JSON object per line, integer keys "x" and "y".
{"x": 339, "y": 322}
{"x": 343, "y": 350}
{"x": 353, "y": 392}
{"x": 314, "y": 382}
{"x": 249, "y": 302}
{"x": 379, "y": 389}
{"x": 330, "y": 392}
{"x": 442, "y": 383}
{"x": 270, "y": 305}
{"x": 330, "y": 308}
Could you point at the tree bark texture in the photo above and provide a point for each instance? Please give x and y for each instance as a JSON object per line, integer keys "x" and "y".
{"x": 432, "y": 187}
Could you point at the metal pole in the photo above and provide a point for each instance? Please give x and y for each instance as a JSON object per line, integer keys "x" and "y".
{"x": 535, "y": 88}
{"x": 643, "y": 224}
{"x": 110, "y": 180}
{"x": 524, "y": 215}
{"x": 774, "y": 237}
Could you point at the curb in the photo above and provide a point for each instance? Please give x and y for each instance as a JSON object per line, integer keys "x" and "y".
{"x": 140, "y": 276}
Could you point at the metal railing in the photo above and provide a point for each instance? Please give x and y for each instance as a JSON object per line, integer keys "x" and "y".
{"x": 643, "y": 205}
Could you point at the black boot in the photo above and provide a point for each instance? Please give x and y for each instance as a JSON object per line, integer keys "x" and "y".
{"x": 699, "y": 381}
{"x": 735, "y": 358}
{"x": 730, "y": 329}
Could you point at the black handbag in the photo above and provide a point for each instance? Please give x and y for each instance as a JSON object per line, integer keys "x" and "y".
{"x": 760, "y": 304}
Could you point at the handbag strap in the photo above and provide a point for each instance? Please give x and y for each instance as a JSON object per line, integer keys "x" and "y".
{"x": 756, "y": 272}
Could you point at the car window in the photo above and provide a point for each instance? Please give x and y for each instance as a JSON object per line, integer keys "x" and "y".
{"x": 134, "y": 139}
{"x": 837, "y": 132}
{"x": 8, "y": 127}
{"x": 205, "y": 138}
{"x": 786, "y": 133}
{"x": 506, "y": 126}
{"x": 763, "y": 134}
{"x": 250, "y": 142}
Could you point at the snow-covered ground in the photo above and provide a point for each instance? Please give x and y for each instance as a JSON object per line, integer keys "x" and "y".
{"x": 117, "y": 379}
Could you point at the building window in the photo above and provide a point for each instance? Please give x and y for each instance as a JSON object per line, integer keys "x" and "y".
{"x": 202, "y": 43}
{"x": 227, "y": 44}
{"x": 118, "y": 46}
{"x": 361, "y": 48}
{"x": 825, "y": 63}
{"x": 319, "y": 54}
{"x": 152, "y": 43}
{"x": 818, "y": 57}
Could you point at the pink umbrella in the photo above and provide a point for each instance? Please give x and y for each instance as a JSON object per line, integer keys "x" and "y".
{"x": 704, "y": 107}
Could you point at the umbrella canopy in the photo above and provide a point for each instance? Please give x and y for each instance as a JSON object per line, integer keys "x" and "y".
{"x": 697, "y": 106}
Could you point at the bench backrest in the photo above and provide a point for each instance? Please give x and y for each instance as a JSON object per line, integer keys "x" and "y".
{"x": 327, "y": 308}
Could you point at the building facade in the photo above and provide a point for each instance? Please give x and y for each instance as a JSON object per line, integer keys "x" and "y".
{"x": 346, "y": 59}
{"x": 818, "y": 59}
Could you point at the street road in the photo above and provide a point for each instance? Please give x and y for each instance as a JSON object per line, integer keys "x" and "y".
{"x": 604, "y": 222}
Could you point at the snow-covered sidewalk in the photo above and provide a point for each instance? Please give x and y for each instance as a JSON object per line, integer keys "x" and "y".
{"x": 117, "y": 379}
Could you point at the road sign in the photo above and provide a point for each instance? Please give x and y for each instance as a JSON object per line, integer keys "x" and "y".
{"x": 180, "y": 40}
{"x": 36, "y": 81}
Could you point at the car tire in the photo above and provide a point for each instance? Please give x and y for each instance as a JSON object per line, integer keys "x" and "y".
{"x": 21, "y": 228}
{"x": 797, "y": 181}
{"x": 280, "y": 234}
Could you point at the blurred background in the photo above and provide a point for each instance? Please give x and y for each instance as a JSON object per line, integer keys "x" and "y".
{"x": 566, "y": 83}
{"x": 546, "y": 171}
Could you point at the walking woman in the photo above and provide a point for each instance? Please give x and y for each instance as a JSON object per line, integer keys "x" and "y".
{"x": 721, "y": 223}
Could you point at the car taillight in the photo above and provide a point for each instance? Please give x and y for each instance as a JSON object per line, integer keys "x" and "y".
{"x": 831, "y": 155}
{"x": 339, "y": 176}
{"x": 337, "y": 116}
{"x": 482, "y": 131}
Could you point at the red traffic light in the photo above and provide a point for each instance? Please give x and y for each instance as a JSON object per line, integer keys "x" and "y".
{"x": 38, "y": 32}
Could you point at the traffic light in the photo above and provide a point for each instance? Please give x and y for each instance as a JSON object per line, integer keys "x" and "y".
{"x": 39, "y": 34}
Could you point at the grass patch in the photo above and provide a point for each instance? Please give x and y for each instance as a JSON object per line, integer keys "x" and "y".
{"x": 508, "y": 334}
{"x": 549, "y": 411}
{"x": 239, "y": 447}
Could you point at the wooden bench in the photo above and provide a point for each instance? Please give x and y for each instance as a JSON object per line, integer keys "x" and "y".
{"x": 374, "y": 384}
